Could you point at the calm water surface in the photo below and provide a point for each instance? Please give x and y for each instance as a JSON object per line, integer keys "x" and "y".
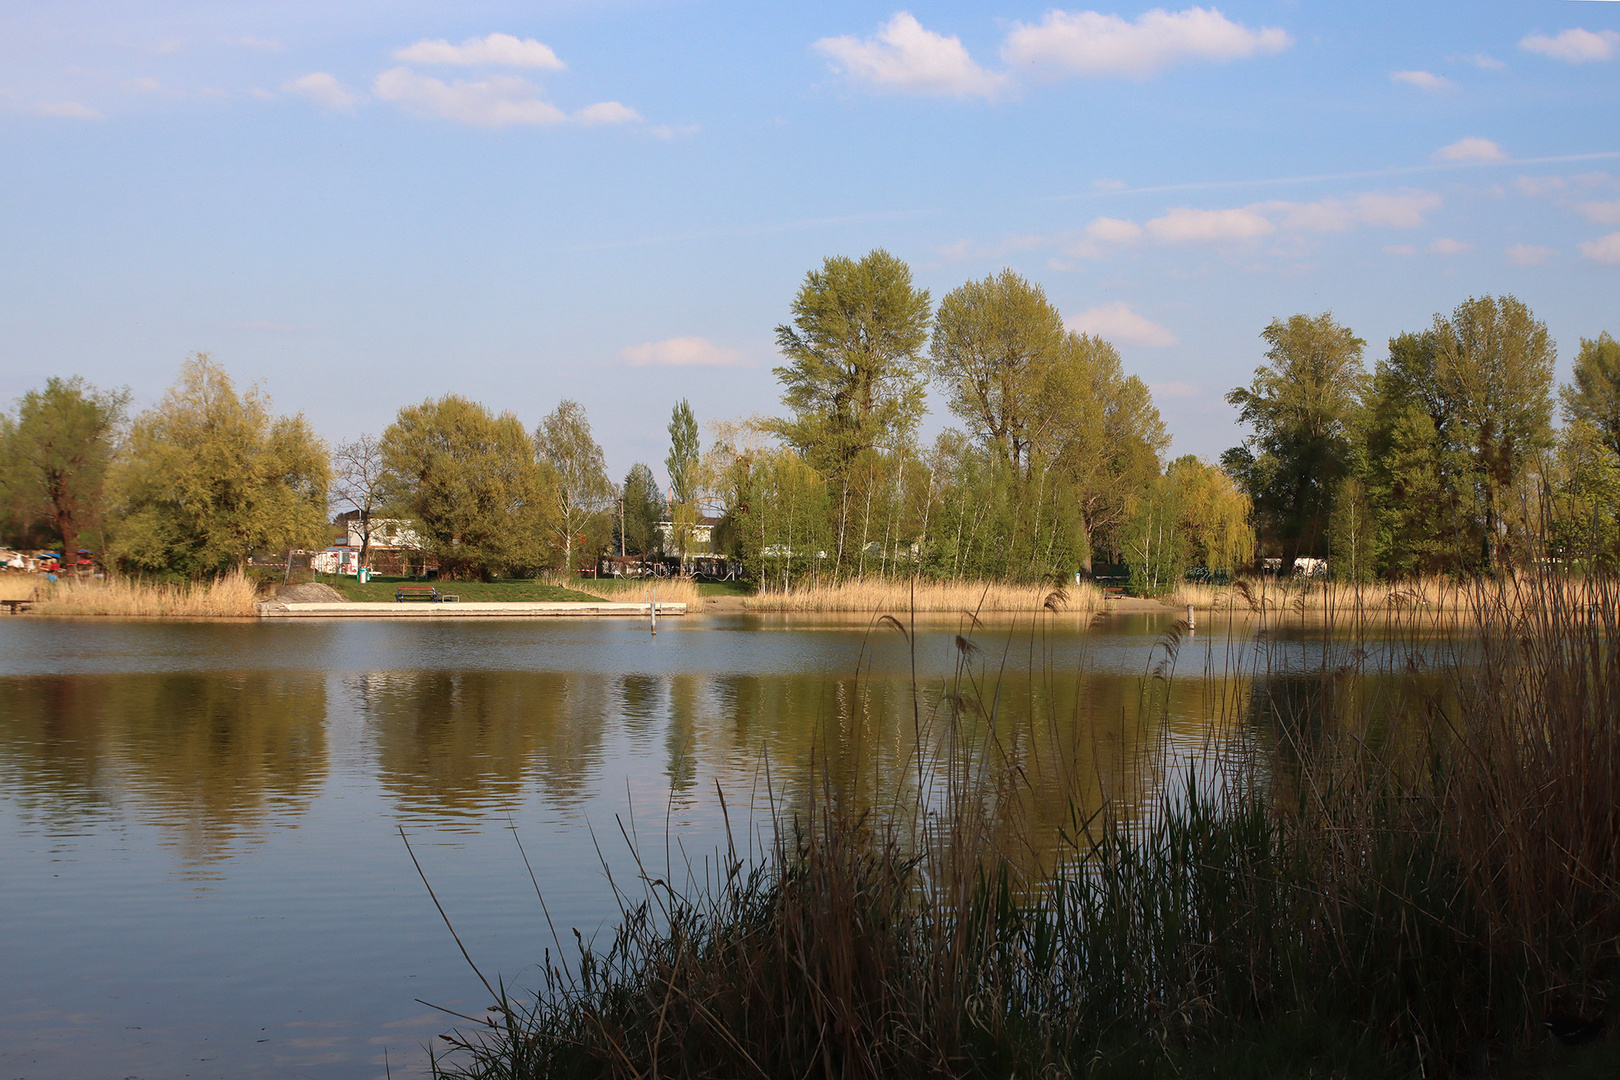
{"x": 201, "y": 868}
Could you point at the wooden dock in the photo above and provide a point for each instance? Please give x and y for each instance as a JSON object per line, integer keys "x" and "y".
{"x": 456, "y": 610}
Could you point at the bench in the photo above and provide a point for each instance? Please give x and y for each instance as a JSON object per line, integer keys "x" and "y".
{"x": 14, "y": 606}
{"x": 416, "y": 592}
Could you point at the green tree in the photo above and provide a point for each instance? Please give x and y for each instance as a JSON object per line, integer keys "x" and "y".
{"x": 470, "y": 479}
{"x": 643, "y": 510}
{"x": 684, "y": 465}
{"x": 1494, "y": 362}
{"x": 994, "y": 344}
{"x": 210, "y": 476}
{"x": 55, "y": 455}
{"x": 1213, "y": 515}
{"x": 1107, "y": 438}
{"x": 855, "y": 375}
{"x": 1594, "y": 397}
{"x": 1301, "y": 405}
{"x": 580, "y": 485}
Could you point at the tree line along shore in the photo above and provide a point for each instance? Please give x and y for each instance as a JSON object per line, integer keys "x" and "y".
{"x": 1443, "y": 460}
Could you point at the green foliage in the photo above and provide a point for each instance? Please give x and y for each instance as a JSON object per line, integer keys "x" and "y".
{"x": 779, "y": 524}
{"x": 483, "y": 503}
{"x": 854, "y": 377}
{"x": 1301, "y": 405}
{"x": 54, "y": 458}
{"x": 995, "y": 344}
{"x": 210, "y": 476}
{"x": 1212, "y": 515}
{"x": 579, "y": 482}
{"x": 643, "y": 510}
{"x": 684, "y": 466}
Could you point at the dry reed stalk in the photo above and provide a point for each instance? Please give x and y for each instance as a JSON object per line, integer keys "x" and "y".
{"x": 1433, "y": 597}
{"x": 20, "y": 586}
{"x": 229, "y": 596}
{"x": 873, "y": 595}
{"x": 670, "y": 591}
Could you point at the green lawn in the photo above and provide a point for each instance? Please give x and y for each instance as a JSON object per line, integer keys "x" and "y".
{"x": 381, "y": 589}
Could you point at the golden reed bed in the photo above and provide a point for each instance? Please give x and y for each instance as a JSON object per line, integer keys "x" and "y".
{"x": 879, "y": 595}
{"x": 670, "y": 591}
{"x": 230, "y": 596}
{"x": 1434, "y": 598}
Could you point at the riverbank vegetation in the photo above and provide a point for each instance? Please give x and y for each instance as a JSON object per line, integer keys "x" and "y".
{"x": 878, "y": 596}
{"x": 230, "y": 595}
{"x": 1442, "y": 460}
{"x": 1405, "y": 866}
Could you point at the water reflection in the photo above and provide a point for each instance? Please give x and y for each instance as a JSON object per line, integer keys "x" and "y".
{"x": 211, "y": 757}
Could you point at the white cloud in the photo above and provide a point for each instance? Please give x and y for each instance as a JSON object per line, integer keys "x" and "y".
{"x": 1447, "y": 246}
{"x": 607, "y": 112}
{"x": 65, "y": 110}
{"x": 324, "y": 90}
{"x": 1117, "y": 322}
{"x": 674, "y": 131}
{"x": 683, "y": 352}
{"x": 1423, "y": 80}
{"x": 1472, "y": 148}
{"x": 262, "y": 44}
{"x": 1574, "y": 46}
{"x": 499, "y": 101}
{"x": 1398, "y": 210}
{"x": 1185, "y": 225}
{"x": 495, "y": 50}
{"x": 1538, "y": 185}
{"x": 1114, "y": 231}
{"x": 1604, "y": 213}
{"x": 1091, "y": 44}
{"x": 1481, "y": 60}
{"x": 1529, "y": 254}
{"x": 908, "y": 58}
{"x": 1605, "y": 249}
{"x": 1174, "y": 390}
{"x": 1400, "y": 249}
{"x": 1107, "y": 183}
{"x": 145, "y": 84}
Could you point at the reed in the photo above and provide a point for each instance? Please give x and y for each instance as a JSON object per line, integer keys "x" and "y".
{"x": 1435, "y": 597}
{"x": 1415, "y": 863}
{"x": 640, "y": 591}
{"x": 228, "y": 596}
{"x": 883, "y": 595}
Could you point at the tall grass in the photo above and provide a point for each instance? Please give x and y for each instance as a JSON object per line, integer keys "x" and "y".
{"x": 1438, "y": 599}
{"x": 1413, "y": 865}
{"x": 229, "y": 595}
{"x": 876, "y": 595}
{"x": 639, "y": 591}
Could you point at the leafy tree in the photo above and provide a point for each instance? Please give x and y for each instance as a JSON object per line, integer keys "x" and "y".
{"x": 643, "y": 509}
{"x": 1494, "y": 363}
{"x": 995, "y": 342}
{"x": 483, "y": 502}
{"x": 684, "y": 466}
{"x": 854, "y": 377}
{"x": 211, "y": 476}
{"x": 55, "y": 455}
{"x": 1107, "y": 437}
{"x": 1301, "y": 405}
{"x": 581, "y": 486}
{"x": 1595, "y": 396}
{"x": 360, "y": 481}
{"x": 1213, "y": 515}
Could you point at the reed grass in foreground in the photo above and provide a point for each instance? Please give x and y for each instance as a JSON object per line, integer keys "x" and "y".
{"x": 231, "y": 595}
{"x": 1355, "y": 898}
{"x": 882, "y": 595}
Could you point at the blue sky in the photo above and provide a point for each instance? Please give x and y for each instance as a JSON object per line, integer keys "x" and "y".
{"x": 361, "y": 205}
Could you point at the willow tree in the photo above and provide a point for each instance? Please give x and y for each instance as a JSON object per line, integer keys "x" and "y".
{"x": 210, "y": 476}
{"x": 482, "y": 501}
{"x": 54, "y": 458}
{"x": 855, "y": 374}
{"x": 1302, "y": 406}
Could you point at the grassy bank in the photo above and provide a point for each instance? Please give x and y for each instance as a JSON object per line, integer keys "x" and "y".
{"x": 381, "y": 589}
{"x": 1413, "y": 867}
{"x": 230, "y": 596}
{"x": 881, "y": 595}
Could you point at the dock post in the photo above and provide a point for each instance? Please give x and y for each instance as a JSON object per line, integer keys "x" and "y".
{"x": 1192, "y": 624}
{"x": 652, "y": 609}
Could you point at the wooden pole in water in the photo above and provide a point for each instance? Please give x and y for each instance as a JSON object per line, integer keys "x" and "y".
{"x": 652, "y": 609}
{"x": 1192, "y": 624}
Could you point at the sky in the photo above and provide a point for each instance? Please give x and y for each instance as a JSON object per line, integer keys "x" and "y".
{"x": 362, "y": 205}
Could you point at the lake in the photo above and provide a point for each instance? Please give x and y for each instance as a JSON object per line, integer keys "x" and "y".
{"x": 200, "y": 822}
